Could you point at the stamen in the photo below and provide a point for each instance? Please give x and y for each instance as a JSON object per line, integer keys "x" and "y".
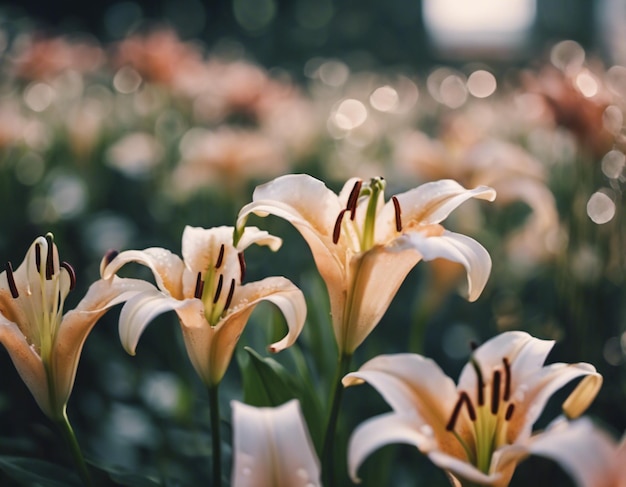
{"x": 199, "y": 287}
{"x": 495, "y": 392}
{"x": 509, "y": 412}
{"x": 231, "y": 291}
{"x": 473, "y": 345}
{"x": 110, "y": 255}
{"x": 480, "y": 392}
{"x": 353, "y": 198}
{"x": 507, "y": 379}
{"x": 396, "y": 207}
{"x": 463, "y": 399}
{"x": 220, "y": 282}
{"x": 11, "y": 281}
{"x": 71, "y": 272}
{"x": 337, "y": 229}
{"x": 242, "y": 266}
{"x": 38, "y": 257}
{"x": 50, "y": 258}
{"x": 220, "y": 257}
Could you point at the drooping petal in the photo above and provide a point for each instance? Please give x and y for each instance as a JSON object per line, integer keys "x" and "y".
{"x": 417, "y": 387}
{"x": 252, "y": 235}
{"x": 376, "y": 276}
{"x": 430, "y": 203}
{"x": 383, "y": 430}
{"x": 27, "y": 363}
{"x": 210, "y": 348}
{"x": 457, "y": 248}
{"x": 272, "y": 447}
{"x": 167, "y": 268}
{"x": 584, "y": 451}
{"x": 464, "y": 470}
{"x": 140, "y": 310}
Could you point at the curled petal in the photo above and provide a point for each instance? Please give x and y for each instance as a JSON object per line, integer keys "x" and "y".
{"x": 457, "y": 248}
{"x": 272, "y": 447}
{"x": 252, "y": 235}
{"x": 383, "y": 430}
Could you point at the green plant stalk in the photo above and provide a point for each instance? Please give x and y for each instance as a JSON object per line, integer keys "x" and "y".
{"x": 216, "y": 441}
{"x": 328, "y": 466}
{"x": 72, "y": 443}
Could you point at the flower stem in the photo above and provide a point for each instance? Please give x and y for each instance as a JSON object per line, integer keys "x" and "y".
{"x": 72, "y": 443}
{"x": 214, "y": 407}
{"x": 343, "y": 367}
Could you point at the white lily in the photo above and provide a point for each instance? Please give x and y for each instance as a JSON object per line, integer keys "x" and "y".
{"x": 589, "y": 454}
{"x": 364, "y": 248}
{"x": 272, "y": 447}
{"x": 205, "y": 290}
{"x": 43, "y": 342}
{"x": 478, "y": 430}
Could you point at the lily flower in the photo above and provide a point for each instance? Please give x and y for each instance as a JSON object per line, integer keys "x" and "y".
{"x": 273, "y": 447}
{"x": 43, "y": 342}
{"x": 205, "y": 290}
{"x": 589, "y": 454}
{"x": 364, "y": 248}
{"x": 478, "y": 430}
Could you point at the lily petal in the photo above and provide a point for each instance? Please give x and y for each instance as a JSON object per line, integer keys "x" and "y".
{"x": 272, "y": 447}
{"x": 457, "y": 248}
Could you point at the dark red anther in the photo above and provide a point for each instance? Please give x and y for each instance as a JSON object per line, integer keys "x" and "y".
{"x": 463, "y": 399}
{"x": 231, "y": 292}
{"x": 110, "y": 255}
{"x": 337, "y": 229}
{"x": 509, "y": 412}
{"x": 495, "y": 392}
{"x": 396, "y": 207}
{"x": 38, "y": 257}
{"x": 199, "y": 287}
{"x": 480, "y": 383}
{"x": 507, "y": 379}
{"x": 71, "y": 273}
{"x": 242, "y": 266}
{"x": 220, "y": 257}
{"x": 218, "y": 291}
{"x": 11, "y": 281}
{"x": 50, "y": 258}
{"x": 354, "y": 198}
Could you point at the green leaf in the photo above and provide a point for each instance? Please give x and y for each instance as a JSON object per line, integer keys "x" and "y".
{"x": 267, "y": 383}
{"x": 32, "y": 471}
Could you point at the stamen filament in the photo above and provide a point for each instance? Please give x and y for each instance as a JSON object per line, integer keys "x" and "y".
{"x": 11, "y": 281}
{"x": 337, "y": 229}
{"x": 396, "y": 207}
{"x": 220, "y": 257}
{"x": 71, "y": 273}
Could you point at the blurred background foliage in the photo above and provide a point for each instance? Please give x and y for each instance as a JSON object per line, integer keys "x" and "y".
{"x": 122, "y": 122}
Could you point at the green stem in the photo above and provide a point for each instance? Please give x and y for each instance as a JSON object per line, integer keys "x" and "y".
{"x": 70, "y": 438}
{"x": 214, "y": 407}
{"x": 328, "y": 467}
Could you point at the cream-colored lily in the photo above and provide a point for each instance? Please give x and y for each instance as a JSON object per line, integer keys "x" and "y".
{"x": 205, "y": 290}
{"x": 272, "y": 447}
{"x": 364, "y": 247}
{"x": 44, "y": 343}
{"x": 478, "y": 430}
{"x": 589, "y": 454}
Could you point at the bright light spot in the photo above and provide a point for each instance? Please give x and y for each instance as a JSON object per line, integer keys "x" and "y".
{"x": 333, "y": 73}
{"x": 349, "y": 114}
{"x": 68, "y": 195}
{"x": 254, "y": 15}
{"x": 567, "y": 56}
{"x": 481, "y": 83}
{"x": 126, "y": 80}
{"x": 453, "y": 91}
{"x": 38, "y": 96}
{"x": 586, "y": 84}
{"x": 616, "y": 80}
{"x": 479, "y": 21}
{"x": 613, "y": 164}
{"x": 600, "y": 208}
{"x": 384, "y": 99}
{"x": 30, "y": 168}
{"x": 613, "y": 119}
{"x": 612, "y": 351}
{"x": 456, "y": 339}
